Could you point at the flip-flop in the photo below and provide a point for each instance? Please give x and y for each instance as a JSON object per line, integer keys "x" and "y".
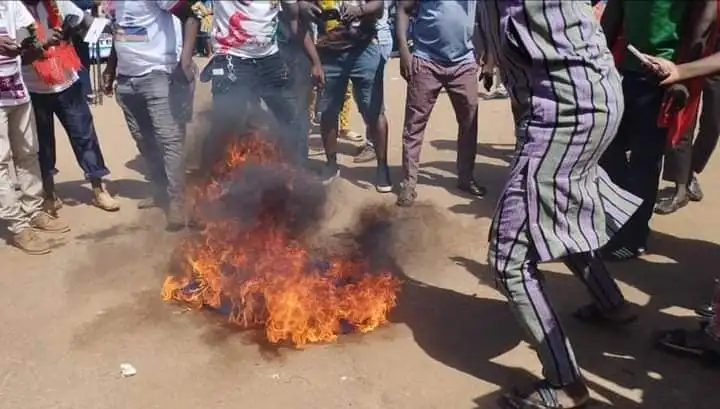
{"x": 693, "y": 344}
{"x": 591, "y": 314}
{"x": 543, "y": 396}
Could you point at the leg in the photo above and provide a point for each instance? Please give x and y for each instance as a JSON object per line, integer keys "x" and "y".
{"x": 11, "y": 209}
{"x": 461, "y": 84}
{"x": 155, "y": 90}
{"x": 709, "y": 128}
{"x": 75, "y": 116}
{"x": 512, "y": 257}
{"x": 137, "y": 117}
{"x": 345, "y": 130}
{"x": 44, "y": 108}
{"x": 337, "y": 74}
{"x": 277, "y": 92}
{"x": 422, "y": 93}
{"x": 678, "y": 168}
{"x": 367, "y": 73}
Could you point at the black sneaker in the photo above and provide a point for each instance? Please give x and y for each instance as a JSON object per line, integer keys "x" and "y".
{"x": 329, "y": 173}
{"x": 366, "y": 154}
{"x": 382, "y": 179}
{"x": 407, "y": 196}
{"x": 622, "y": 253}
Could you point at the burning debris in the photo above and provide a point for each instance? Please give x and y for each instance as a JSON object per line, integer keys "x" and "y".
{"x": 250, "y": 261}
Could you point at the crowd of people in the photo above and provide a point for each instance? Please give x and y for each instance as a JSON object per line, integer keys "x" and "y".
{"x": 584, "y": 181}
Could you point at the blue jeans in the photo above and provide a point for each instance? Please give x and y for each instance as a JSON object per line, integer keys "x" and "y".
{"x": 74, "y": 114}
{"x": 152, "y": 110}
{"x": 237, "y": 97}
{"x": 364, "y": 66}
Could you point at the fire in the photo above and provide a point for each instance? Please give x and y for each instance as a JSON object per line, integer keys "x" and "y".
{"x": 261, "y": 277}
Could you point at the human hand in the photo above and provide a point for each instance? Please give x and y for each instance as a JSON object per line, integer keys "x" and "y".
{"x": 108, "y": 80}
{"x": 665, "y": 69}
{"x": 318, "y": 76}
{"x": 54, "y": 39}
{"x": 350, "y": 12}
{"x": 486, "y": 76}
{"x": 9, "y": 47}
{"x": 408, "y": 65}
{"x": 309, "y": 10}
{"x": 188, "y": 69}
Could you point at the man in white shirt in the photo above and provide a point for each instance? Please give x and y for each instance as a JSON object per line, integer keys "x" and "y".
{"x": 247, "y": 67}
{"x": 18, "y": 141}
{"x": 62, "y": 94}
{"x": 150, "y": 78}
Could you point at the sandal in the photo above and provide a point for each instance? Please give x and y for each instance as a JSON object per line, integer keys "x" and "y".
{"x": 621, "y": 254}
{"x": 592, "y": 314}
{"x": 693, "y": 344}
{"x": 543, "y": 396}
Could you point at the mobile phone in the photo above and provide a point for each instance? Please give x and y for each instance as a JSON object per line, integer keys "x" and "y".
{"x": 330, "y": 14}
{"x": 634, "y": 51}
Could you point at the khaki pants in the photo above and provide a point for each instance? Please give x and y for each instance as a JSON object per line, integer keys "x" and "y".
{"x": 19, "y": 150}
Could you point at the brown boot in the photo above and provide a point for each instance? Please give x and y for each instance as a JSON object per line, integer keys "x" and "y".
{"x": 44, "y": 222}
{"x": 104, "y": 201}
{"x": 30, "y": 242}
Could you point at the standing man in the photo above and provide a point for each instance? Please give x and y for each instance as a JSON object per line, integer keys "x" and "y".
{"x": 247, "y": 67}
{"x": 55, "y": 89}
{"x": 385, "y": 41}
{"x": 151, "y": 83}
{"x": 558, "y": 204}
{"x": 444, "y": 57}
{"x": 661, "y": 28}
{"x": 18, "y": 140}
{"x": 348, "y": 47}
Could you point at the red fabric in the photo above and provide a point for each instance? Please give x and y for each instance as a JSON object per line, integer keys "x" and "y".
{"x": 58, "y": 59}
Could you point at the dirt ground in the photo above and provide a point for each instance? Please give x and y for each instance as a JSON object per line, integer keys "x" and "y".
{"x": 71, "y": 318}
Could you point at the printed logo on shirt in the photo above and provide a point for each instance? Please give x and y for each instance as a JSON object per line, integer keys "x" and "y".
{"x": 11, "y": 85}
{"x": 131, "y": 34}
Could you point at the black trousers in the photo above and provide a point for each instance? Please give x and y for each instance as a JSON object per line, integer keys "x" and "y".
{"x": 634, "y": 157}
{"x": 687, "y": 157}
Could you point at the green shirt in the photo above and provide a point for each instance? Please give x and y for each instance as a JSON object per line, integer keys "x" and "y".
{"x": 653, "y": 27}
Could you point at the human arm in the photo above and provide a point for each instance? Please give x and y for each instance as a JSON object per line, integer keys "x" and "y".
{"x": 612, "y": 21}
{"x": 402, "y": 21}
{"x": 30, "y": 48}
{"x": 680, "y": 72}
{"x": 300, "y": 30}
{"x": 700, "y": 19}
{"x": 369, "y": 8}
{"x": 182, "y": 9}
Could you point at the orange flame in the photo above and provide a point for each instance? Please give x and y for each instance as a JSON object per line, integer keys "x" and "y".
{"x": 264, "y": 278}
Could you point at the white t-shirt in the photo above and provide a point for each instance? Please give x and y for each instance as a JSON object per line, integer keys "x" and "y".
{"x": 34, "y": 83}
{"x": 246, "y": 29}
{"x": 146, "y": 36}
{"x": 13, "y": 92}
{"x": 178, "y": 36}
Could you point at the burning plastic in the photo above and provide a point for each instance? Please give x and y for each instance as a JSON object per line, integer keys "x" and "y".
{"x": 250, "y": 264}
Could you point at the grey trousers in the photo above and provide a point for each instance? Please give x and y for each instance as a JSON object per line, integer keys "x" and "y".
{"x": 19, "y": 150}
{"x": 152, "y": 110}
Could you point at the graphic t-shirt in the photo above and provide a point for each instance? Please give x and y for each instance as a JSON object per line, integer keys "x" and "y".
{"x": 147, "y": 35}
{"x": 246, "y": 28}
{"x": 13, "y": 16}
{"x": 34, "y": 83}
{"x": 335, "y": 34}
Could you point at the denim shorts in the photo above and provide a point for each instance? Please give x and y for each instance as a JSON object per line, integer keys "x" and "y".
{"x": 364, "y": 66}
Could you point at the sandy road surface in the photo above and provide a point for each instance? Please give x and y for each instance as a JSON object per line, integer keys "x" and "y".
{"x": 70, "y": 319}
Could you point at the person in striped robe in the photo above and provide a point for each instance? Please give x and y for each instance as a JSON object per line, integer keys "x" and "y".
{"x": 558, "y": 204}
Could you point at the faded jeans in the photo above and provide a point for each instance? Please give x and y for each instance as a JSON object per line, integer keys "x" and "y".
{"x": 148, "y": 103}
{"x": 18, "y": 149}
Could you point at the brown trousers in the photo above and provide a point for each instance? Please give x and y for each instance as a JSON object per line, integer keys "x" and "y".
{"x": 461, "y": 83}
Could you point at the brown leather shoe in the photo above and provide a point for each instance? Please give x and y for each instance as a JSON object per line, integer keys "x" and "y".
{"x": 30, "y": 242}
{"x": 44, "y": 222}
